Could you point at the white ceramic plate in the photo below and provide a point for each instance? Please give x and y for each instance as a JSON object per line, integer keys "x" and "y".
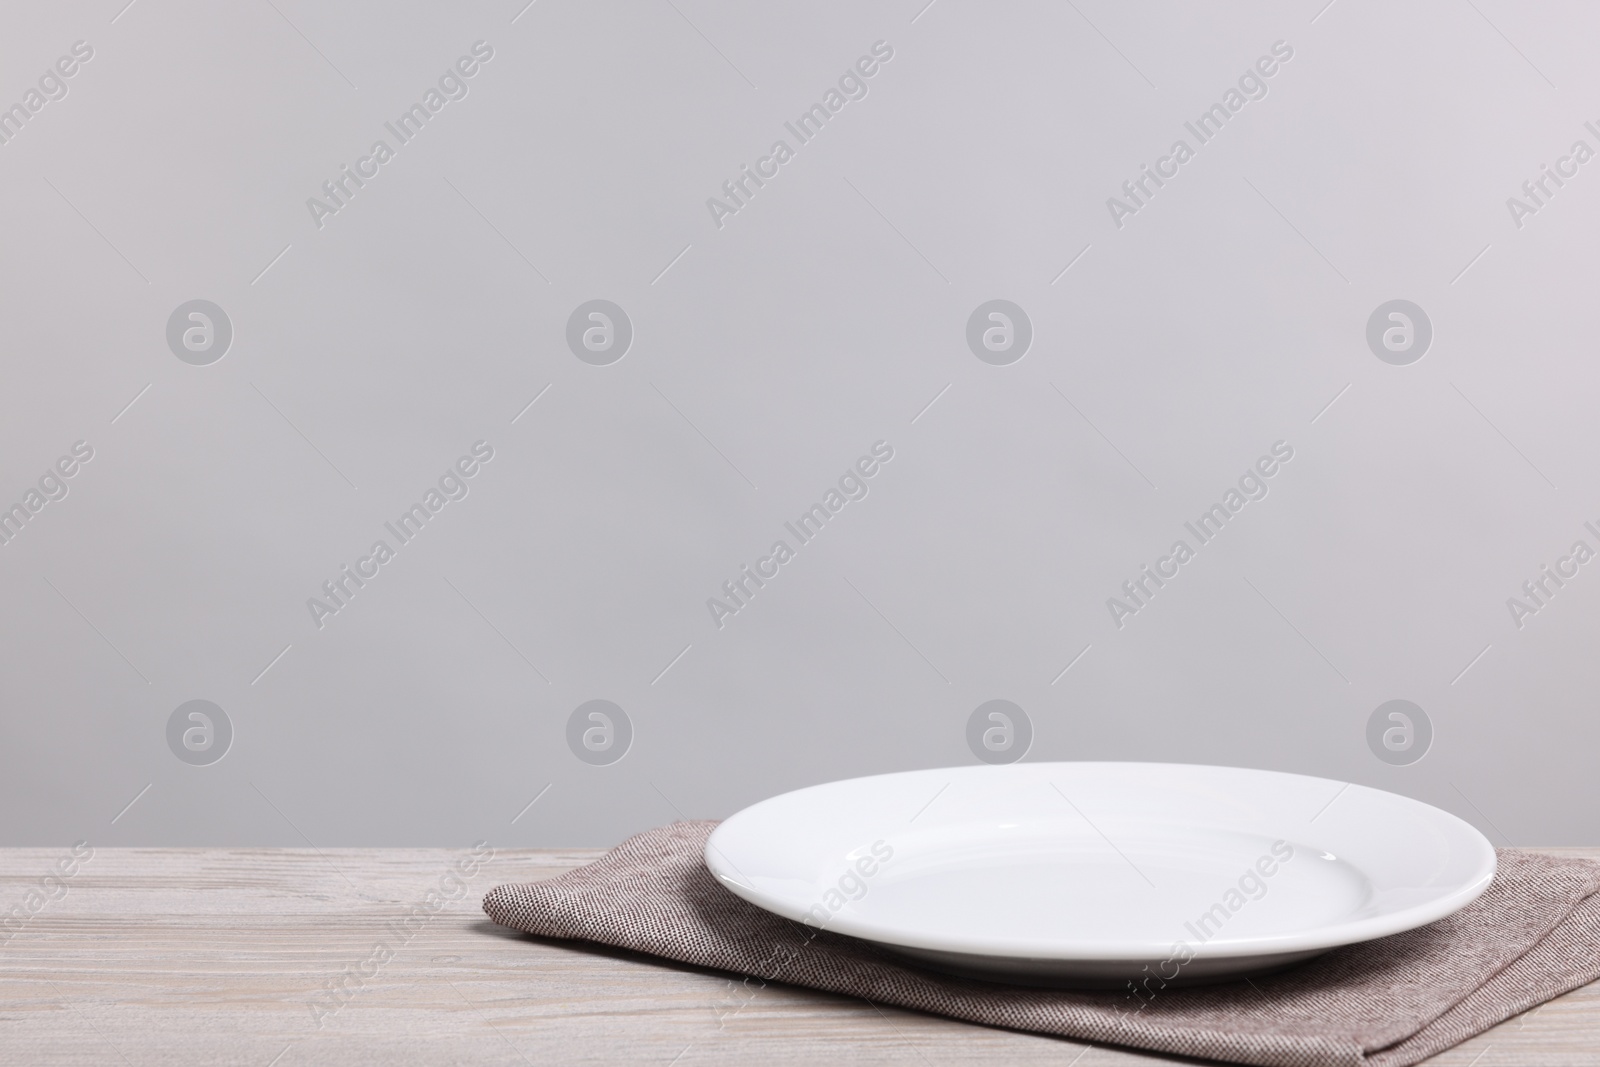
{"x": 1101, "y": 873}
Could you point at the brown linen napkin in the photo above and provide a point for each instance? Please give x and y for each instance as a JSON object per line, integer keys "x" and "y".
{"x": 1534, "y": 935}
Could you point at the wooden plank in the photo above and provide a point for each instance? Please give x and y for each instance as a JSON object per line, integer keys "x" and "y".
{"x": 228, "y": 956}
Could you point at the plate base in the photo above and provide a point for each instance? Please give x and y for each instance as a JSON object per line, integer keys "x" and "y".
{"x": 1100, "y": 974}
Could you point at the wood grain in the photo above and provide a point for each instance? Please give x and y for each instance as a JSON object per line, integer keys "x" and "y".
{"x": 227, "y": 956}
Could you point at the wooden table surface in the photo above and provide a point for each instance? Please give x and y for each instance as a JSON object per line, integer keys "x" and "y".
{"x": 265, "y": 957}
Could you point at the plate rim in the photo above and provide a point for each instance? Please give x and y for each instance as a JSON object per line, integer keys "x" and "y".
{"x": 1322, "y": 937}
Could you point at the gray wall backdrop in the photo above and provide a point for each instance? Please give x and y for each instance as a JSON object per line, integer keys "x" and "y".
{"x": 1170, "y": 336}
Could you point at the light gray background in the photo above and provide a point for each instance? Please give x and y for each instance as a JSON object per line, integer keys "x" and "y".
{"x": 768, "y": 355}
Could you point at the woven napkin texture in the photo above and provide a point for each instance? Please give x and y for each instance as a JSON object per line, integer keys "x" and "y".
{"x": 1533, "y": 935}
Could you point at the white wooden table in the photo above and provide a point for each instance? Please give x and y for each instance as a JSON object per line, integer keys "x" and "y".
{"x": 227, "y": 957}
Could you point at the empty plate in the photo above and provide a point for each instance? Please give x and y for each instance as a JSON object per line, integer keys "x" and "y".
{"x": 1102, "y": 873}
